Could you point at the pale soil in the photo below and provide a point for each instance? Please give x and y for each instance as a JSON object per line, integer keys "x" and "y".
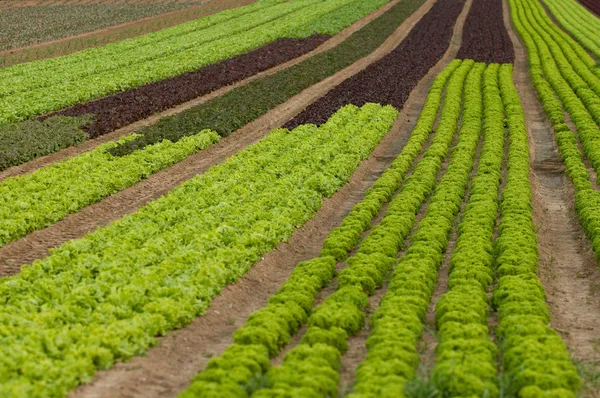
{"x": 567, "y": 267}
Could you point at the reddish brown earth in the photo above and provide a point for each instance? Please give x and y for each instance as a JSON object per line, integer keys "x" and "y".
{"x": 391, "y": 80}
{"x": 124, "y": 108}
{"x": 112, "y": 34}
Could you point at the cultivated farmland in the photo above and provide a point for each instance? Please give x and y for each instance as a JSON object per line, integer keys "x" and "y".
{"x": 301, "y": 198}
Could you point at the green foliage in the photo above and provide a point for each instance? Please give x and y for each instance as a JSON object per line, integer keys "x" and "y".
{"x": 97, "y": 72}
{"x": 33, "y": 201}
{"x": 22, "y": 142}
{"x": 343, "y": 238}
{"x": 342, "y": 314}
{"x": 466, "y": 358}
{"x": 578, "y": 21}
{"x": 242, "y": 105}
{"x": 398, "y": 322}
{"x": 106, "y": 297}
{"x": 21, "y": 24}
{"x": 534, "y": 357}
{"x": 559, "y": 66}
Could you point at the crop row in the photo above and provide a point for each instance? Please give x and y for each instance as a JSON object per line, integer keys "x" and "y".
{"x": 242, "y": 105}
{"x": 36, "y": 200}
{"x": 342, "y": 314}
{"x": 579, "y": 22}
{"x": 466, "y": 356}
{"x": 397, "y": 325}
{"x": 68, "y": 83}
{"x": 241, "y": 367}
{"x": 485, "y": 38}
{"x": 391, "y": 79}
{"x": 123, "y": 108}
{"x": 115, "y": 111}
{"x": 587, "y": 200}
{"x": 22, "y": 142}
{"x": 22, "y": 27}
{"x": 105, "y": 297}
{"x": 534, "y": 356}
{"x": 553, "y": 74}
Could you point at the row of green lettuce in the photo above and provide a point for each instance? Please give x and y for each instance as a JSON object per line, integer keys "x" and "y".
{"x": 466, "y": 357}
{"x": 533, "y": 354}
{"x": 567, "y": 72}
{"x": 49, "y": 85}
{"x": 25, "y": 141}
{"x": 310, "y": 369}
{"x": 39, "y": 199}
{"x": 342, "y": 315}
{"x": 578, "y": 21}
{"x": 107, "y": 296}
{"x": 545, "y": 78}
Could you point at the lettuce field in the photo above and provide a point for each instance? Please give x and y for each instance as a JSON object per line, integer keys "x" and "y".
{"x": 300, "y": 198}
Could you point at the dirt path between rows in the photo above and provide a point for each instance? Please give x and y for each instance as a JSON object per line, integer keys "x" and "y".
{"x": 567, "y": 267}
{"x": 93, "y": 143}
{"x": 115, "y": 33}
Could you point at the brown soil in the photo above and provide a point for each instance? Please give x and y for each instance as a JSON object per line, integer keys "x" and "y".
{"x": 567, "y": 267}
{"x": 91, "y": 144}
{"x": 112, "y": 34}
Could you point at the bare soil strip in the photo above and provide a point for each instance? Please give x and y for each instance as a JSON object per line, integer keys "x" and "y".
{"x": 112, "y": 34}
{"x": 329, "y": 44}
{"x": 567, "y": 269}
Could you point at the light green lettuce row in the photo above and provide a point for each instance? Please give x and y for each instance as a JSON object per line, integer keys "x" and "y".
{"x": 106, "y": 297}
{"x": 47, "y": 195}
{"x": 345, "y": 237}
{"x": 239, "y": 370}
{"x": 577, "y": 67}
{"x": 587, "y": 200}
{"x": 51, "y": 88}
{"x": 578, "y": 21}
{"x": 311, "y": 368}
{"x": 466, "y": 357}
{"x": 534, "y": 357}
{"x": 397, "y": 324}
{"x": 549, "y": 81}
